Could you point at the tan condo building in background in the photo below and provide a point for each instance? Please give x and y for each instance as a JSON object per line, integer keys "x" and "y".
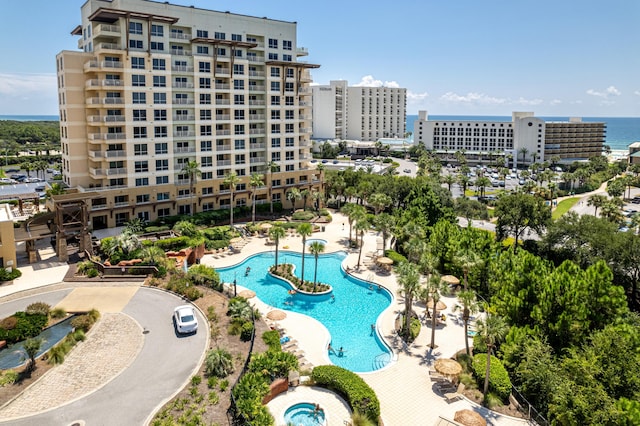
{"x": 156, "y": 86}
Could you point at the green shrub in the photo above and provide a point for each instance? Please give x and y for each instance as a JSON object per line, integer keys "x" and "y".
{"x": 273, "y": 364}
{"x": 8, "y": 377}
{"x": 196, "y": 380}
{"x": 218, "y": 363}
{"x": 492, "y": 401}
{"x": 79, "y": 336}
{"x": 21, "y": 326}
{"x": 38, "y": 308}
{"x": 92, "y": 273}
{"x": 58, "y": 313}
{"x": 151, "y": 229}
{"x": 499, "y": 382}
{"x": 395, "y": 256}
{"x": 205, "y": 276}
{"x": 247, "y": 331}
{"x": 86, "y": 321}
{"x": 350, "y": 386}
{"x": 212, "y": 382}
{"x": 249, "y": 392}
{"x": 56, "y": 354}
{"x": 303, "y": 216}
{"x": 272, "y": 339}
{"x": 224, "y": 385}
{"x": 5, "y": 275}
{"x": 173, "y": 244}
{"x": 83, "y": 268}
{"x": 415, "y": 328}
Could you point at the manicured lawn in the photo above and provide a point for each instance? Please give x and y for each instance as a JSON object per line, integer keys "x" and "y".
{"x": 564, "y": 207}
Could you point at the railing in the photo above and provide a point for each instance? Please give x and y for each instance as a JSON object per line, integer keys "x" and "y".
{"x": 223, "y": 117}
{"x": 180, "y": 52}
{"x": 183, "y": 150}
{"x": 526, "y": 408}
{"x": 182, "y": 68}
{"x": 106, "y": 28}
{"x": 184, "y": 117}
{"x": 254, "y": 88}
{"x": 221, "y": 86}
{"x": 258, "y": 102}
{"x": 183, "y": 101}
{"x": 223, "y": 102}
{"x": 180, "y": 36}
{"x": 103, "y": 64}
{"x": 109, "y": 46}
{"x": 232, "y": 412}
{"x": 182, "y": 84}
{"x": 223, "y": 132}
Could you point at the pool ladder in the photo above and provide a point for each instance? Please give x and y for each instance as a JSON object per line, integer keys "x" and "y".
{"x": 381, "y": 360}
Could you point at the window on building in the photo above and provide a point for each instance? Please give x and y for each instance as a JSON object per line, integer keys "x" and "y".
{"x": 289, "y": 142}
{"x": 221, "y": 51}
{"x": 288, "y": 128}
{"x": 162, "y": 148}
{"x": 238, "y": 114}
{"x": 238, "y": 69}
{"x": 137, "y": 63}
{"x": 159, "y": 64}
{"x": 143, "y": 198}
{"x": 275, "y": 128}
{"x": 202, "y": 33}
{"x": 273, "y": 43}
{"x": 290, "y": 72}
{"x": 289, "y": 114}
{"x": 137, "y": 80}
{"x": 238, "y": 129}
{"x": 140, "y": 149}
{"x": 139, "y": 132}
{"x": 141, "y": 166}
{"x": 275, "y": 114}
{"x": 160, "y": 98}
{"x": 162, "y": 165}
{"x": 160, "y": 131}
{"x": 286, "y": 57}
{"x": 275, "y": 72}
{"x": 160, "y": 115}
{"x": 205, "y": 99}
{"x": 238, "y": 99}
{"x": 205, "y": 130}
{"x": 157, "y": 46}
{"x": 162, "y": 180}
{"x": 157, "y": 30}
{"x": 135, "y": 44}
{"x": 163, "y": 196}
{"x": 275, "y": 100}
{"x": 238, "y": 84}
{"x": 204, "y": 66}
{"x": 219, "y": 35}
{"x": 239, "y": 144}
{"x": 275, "y": 87}
{"x": 275, "y": 143}
{"x": 206, "y": 162}
{"x": 275, "y": 156}
{"x": 202, "y": 50}
{"x": 139, "y": 115}
{"x": 205, "y": 83}
{"x": 142, "y": 181}
{"x": 159, "y": 81}
{"x": 273, "y": 56}
{"x": 135, "y": 27}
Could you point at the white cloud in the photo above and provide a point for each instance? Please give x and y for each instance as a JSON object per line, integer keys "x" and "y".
{"x": 370, "y": 81}
{"x": 555, "y": 102}
{"x": 637, "y": 93}
{"x": 23, "y": 84}
{"x": 609, "y": 91}
{"x": 416, "y": 97}
{"x": 528, "y": 102}
{"x": 472, "y": 98}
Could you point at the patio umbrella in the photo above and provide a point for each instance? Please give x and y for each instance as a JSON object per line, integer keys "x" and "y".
{"x": 450, "y": 279}
{"x": 448, "y": 367}
{"x": 384, "y": 261}
{"x": 440, "y": 306}
{"x": 235, "y": 240}
{"x": 276, "y": 315}
{"x": 469, "y": 418}
{"x": 247, "y": 294}
{"x": 266, "y": 226}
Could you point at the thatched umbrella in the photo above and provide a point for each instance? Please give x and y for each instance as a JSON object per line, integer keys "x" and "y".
{"x": 266, "y": 226}
{"x": 384, "y": 261}
{"x": 469, "y": 418}
{"x": 247, "y": 294}
{"x": 276, "y": 315}
{"x": 450, "y": 279}
{"x": 448, "y": 367}
{"x": 440, "y": 306}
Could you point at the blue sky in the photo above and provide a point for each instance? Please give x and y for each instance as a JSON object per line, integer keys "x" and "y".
{"x": 459, "y": 57}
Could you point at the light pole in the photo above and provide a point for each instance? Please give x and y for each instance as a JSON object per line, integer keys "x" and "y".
{"x": 235, "y": 285}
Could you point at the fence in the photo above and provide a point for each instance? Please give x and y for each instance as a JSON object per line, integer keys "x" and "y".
{"x": 525, "y": 407}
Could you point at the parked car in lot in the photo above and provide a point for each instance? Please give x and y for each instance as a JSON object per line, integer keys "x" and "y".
{"x": 407, "y": 170}
{"x": 12, "y": 170}
{"x": 335, "y": 161}
{"x": 185, "y": 319}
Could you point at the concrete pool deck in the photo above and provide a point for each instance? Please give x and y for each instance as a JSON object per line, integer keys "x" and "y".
{"x": 405, "y": 391}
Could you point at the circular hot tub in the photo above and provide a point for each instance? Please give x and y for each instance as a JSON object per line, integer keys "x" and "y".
{"x": 315, "y": 240}
{"x": 305, "y": 414}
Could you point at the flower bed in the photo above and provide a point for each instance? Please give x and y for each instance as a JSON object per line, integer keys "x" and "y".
{"x": 285, "y": 273}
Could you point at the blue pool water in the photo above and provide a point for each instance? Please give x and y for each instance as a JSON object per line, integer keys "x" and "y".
{"x": 313, "y": 240}
{"x": 348, "y": 316}
{"x": 14, "y": 356}
{"x": 303, "y": 414}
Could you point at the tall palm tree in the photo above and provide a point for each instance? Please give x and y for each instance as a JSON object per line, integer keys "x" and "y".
{"x": 272, "y": 167}
{"x": 379, "y": 202}
{"x": 192, "y": 170}
{"x": 597, "y": 201}
{"x": 255, "y": 183}
{"x": 316, "y": 248}
{"x": 469, "y": 306}
{"x": 276, "y": 233}
{"x": 524, "y": 151}
{"x": 492, "y": 330}
{"x": 321, "y": 168}
{"x": 361, "y": 227}
{"x": 317, "y": 196}
{"x": 354, "y": 212}
{"x": 293, "y": 195}
{"x": 232, "y": 180}
{"x": 481, "y": 183}
{"x": 467, "y": 260}
{"x": 449, "y": 179}
{"x": 305, "y": 230}
{"x": 408, "y": 286}
{"x": 384, "y": 223}
{"x": 414, "y": 248}
{"x": 304, "y": 194}
{"x": 434, "y": 288}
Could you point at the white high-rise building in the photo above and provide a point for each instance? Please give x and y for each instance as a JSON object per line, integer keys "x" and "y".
{"x": 358, "y": 113}
{"x": 525, "y": 139}
{"x": 156, "y": 86}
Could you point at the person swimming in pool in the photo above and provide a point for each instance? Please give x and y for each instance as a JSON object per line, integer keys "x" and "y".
{"x": 341, "y": 351}
{"x": 246, "y": 271}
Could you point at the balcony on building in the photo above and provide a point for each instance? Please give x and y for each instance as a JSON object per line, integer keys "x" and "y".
{"x": 94, "y": 65}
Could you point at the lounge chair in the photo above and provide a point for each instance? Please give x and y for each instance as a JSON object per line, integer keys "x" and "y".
{"x": 452, "y": 396}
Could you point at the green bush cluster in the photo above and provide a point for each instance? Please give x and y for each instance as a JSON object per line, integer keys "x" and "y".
{"x": 350, "y": 386}
{"x": 151, "y": 229}
{"x": 57, "y": 354}
{"x": 285, "y": 271}
{"x": 5, "y": 275}
{"x": 272, "y": 339}
{"x": 218, "y": 363}
{"x": 38, "y": 308}
{"x": 395, "y": 256}
{"x": 87, "y": 268}
{"x": 205, "y": 276}
{"x": 172, "y": 244}
{"x": 8, "y": 377}
{"x": 21, "y": 326}
{"x": 273, "y": 364}
{"x": 179, "y": 283}
{"x": 303, "y": 216}
{"x": 86, "y": 321}
{"x": 499, "y": 382}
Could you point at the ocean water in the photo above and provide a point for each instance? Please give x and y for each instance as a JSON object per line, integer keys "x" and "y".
{"x": 621, "y": 131}
{"x": 30, "y": 117}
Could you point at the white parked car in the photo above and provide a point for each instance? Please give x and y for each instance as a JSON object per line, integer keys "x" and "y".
{"x": 185, "y": 319}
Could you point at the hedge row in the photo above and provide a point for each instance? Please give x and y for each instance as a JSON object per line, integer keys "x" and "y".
{"x": 21, "y": 326}
{"x": 350, "y": 386}
{"x": 499, "y": 382}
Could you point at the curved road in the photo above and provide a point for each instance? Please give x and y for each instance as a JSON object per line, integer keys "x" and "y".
{"x": 163, "y": 366}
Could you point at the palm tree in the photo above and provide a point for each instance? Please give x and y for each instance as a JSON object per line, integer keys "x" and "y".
{"x": 56, "y": 189}
{"x": 597, "y": 201}
{"x": 153, "y": 254}
{"x": 408, "y": 286}
{"x": 304, "y": 194}
{"x": 232, "y": 180}
{"x": 192, "y": 170}
{"x": 361, "y": 226}
{"x": 481, "y": 183}
{"x": 293, "y": 195}
{"x": 467, "y": 260}
{"x": 255, "y": 182}
{"x": 469, "y": 306}
{"x": 305, "y": 230}
{"x": 31, "y": 347}
{"x": 463, "y": 181}
{"x": 317, "y": 196}
{"x": 354, "y": 212}
{"x": 384, "y": 223}
{"x": 316, "y": 248}
{"x": 272, "y": 167}
{"x": 491, "y": 331}
{"x": 449, "y": 179}
{"x": 276, "y": 233}
{"x": 414, "y": 248}
{"x": 321, "y": 168}
{"x": 524, "y": 151}
{"x": 434, "y": 288}
{"x": 379, "y": 202}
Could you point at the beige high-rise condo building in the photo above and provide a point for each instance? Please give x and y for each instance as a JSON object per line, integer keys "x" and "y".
{"x": 157, "y": 86}
{"x": 358, "y": 113}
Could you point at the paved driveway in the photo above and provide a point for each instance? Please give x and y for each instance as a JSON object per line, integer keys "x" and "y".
{"x": 163, "y": 366}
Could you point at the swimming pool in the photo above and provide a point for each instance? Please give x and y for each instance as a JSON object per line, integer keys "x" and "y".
{"x": 348, "y": 316}
{"x": 311, "y": 241}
